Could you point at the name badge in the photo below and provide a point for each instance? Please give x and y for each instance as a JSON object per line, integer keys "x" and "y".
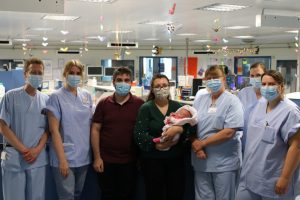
{"x": 212, "y": 109}
{"x": 3, "y": 155}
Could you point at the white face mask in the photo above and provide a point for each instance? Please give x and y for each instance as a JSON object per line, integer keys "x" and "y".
{"x": 161, "y": 93}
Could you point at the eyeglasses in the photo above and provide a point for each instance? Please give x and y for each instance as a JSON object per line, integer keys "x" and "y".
{"x": 159, "y": 87}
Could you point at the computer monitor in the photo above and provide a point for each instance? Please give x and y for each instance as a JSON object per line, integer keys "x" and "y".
{"x": 94, "y": 71}
{"x": 109, "y": 71}
{"x": 241, "y": 81}
{"x": 197, "y": 82}
{"x": 230, "y": 81}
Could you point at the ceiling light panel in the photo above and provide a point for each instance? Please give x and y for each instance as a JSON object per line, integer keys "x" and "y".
{"x": 159, "y": 23}
{"x": 236, "y": 27}
{"x": 243, "y": 36}
{"x": 218, "y": 7}
{"x": 39, "y": 29}
{"x": 99, "y": 1}
{"x": 61, "y": 17}
{"x": 186, "y": 34}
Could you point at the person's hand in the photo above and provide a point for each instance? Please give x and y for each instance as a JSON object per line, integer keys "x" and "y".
{"x": 171, "y": 132}
{"x": 281, "y": 186}
{"x": 64, "y": 168}
{"x": 197, "y": 145}
{"x": 164, "y": 145}
{"x": 201, "y": 155}
{"x": 31, "y": 155}
{"x": 98, "y": 165}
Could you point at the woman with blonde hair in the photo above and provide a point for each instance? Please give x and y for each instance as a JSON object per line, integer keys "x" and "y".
{"x": 69, "y": 115}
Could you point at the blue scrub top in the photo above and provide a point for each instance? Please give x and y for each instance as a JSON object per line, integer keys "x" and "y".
{"x": 267, "y": 146}
{"x": 23, "y": 114}
{"x": 74, "y": 114}
{"x": 228, "y": 114}
{"x": 247, "y": 97}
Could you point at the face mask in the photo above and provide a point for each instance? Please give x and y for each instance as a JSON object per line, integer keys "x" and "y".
{"x": 161, "y": 93}
{"x": 269, "y": 92}
{"x": 122, "y": 88}
{"x": 214, "y": 85}
{"x": 73, "y": 80}
{"x": 256, "y": 82}
{"x": 35, "y": 80}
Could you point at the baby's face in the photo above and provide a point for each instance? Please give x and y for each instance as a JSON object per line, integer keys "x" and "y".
{"x": 183, "y": 113}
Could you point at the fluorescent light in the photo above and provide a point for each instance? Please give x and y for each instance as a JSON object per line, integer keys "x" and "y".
{"x": 40, "y": 29}
{"x": 201, "y": 41}
{"x": 186, "y": 34}
{"x": 121, "y": 31}
{"x": 152, "y": 39}
{"x": 99, "y": 1}
{"x": 22, "y": 39}
{"x": 294, "y": 31}
{"x": 236, "y": 27}
{"x": 61, "y": 17}
{"x": 243, "y": 36}
{"x": 77, "y": 41}
{"x": 159, "y": 23}
{"x": 45, "y": 44}
{"x": 221, "y": 7}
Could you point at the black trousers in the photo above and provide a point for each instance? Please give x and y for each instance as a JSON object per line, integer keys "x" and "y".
{"x": 117, "y": 182}
{"x": 164, "y": 178}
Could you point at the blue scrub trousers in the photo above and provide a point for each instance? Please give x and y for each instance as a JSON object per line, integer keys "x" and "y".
{"x": 70, "y": 188}
{"x": 245, "y": 194}
{"x": 215, "y": 185}
{"x": 24, "y": 185}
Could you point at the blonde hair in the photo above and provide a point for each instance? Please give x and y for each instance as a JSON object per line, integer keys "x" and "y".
{"x": 72, "y": 63}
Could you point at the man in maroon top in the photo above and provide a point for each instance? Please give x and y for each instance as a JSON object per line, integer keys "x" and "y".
{"x": 112, "y": 139}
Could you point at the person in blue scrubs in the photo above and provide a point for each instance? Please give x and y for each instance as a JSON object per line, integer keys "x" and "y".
{"x": 272, "y": 153}
{"x": 70, "y": 110}
{"x": 220, "y": 114}
{"x": 250, "y": 95}
{"x": 24, "y": 127}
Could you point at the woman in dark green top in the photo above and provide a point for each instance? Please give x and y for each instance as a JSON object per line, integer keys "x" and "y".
{"x": 163, "y": 170}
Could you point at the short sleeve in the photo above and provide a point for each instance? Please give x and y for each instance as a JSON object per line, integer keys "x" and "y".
{"x": 6, "y": 106}
{"x": 98, "y": 114}
{"x": 142, "y": 127}
{"x": 54, "y": 106}
{"x": 291, "y": 125}
{"x": 235, "y": 115}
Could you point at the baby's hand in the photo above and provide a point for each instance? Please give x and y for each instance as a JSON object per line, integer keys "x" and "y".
{"x": 201, "y": 155}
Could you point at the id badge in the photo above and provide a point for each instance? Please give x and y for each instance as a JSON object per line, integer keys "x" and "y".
{"x": 212, "y": 110}
{"x": 3, "y": 155}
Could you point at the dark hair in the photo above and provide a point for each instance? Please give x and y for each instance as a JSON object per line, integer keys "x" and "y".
{"x": 120, "y": 71}
{"x": 277, "y": 76}
{"x": 151, "y": 95}
{"x": 213, "y": 70}
{"x": 257, "y": 65}
{"x": 32, "y": 61}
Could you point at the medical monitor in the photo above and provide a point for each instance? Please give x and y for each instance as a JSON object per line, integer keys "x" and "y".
{"x": 109, "y": 71}
{"x": 241, "y": 82}
{"x": 231, "y": 82}
{"x": 94, "y": 71}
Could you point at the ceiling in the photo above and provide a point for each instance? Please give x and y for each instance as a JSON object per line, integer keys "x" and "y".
{"x": 131, "y": 15}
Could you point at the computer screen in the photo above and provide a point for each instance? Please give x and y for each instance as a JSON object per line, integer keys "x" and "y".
{"x": 109, "y": 71}
{"x": 94, "y": 71}
{"x": 241, "y": 81}
{"x": 231, "y": 82}
{"x": 197, "y": 82}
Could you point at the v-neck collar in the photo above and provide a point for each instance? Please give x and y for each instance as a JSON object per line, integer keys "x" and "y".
{"x": 157, "y": 109}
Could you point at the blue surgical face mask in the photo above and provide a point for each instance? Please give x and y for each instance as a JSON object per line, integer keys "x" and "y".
{"x": 73, "y": 80}
{"x": 35, "y": 80}
{"x": 256, "y": 82}
{"x": 269, "y": 92}
{"x": 214, "y": 85}
{"x": 122, "y": 88}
